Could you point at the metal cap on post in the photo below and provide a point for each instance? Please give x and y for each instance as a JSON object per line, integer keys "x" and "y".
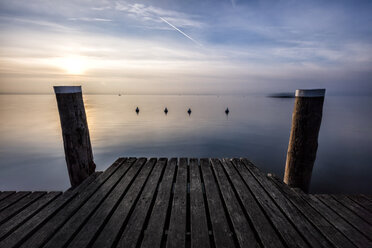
{"x": 303, "y": 141}
{"x": 75, "y": 133}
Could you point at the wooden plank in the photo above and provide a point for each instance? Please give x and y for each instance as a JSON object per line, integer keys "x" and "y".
{"x": 327, "y": 229}
{"x": 198, "y": 215}
{"x": 349, "y": 231}
{"x": 5, "y": 194}
{"x": 265, "y": 230}
{"x": 13, "y": 199}
{"x": 222, "y": 234}
{"x": 244, "y": 232}
{"x": 19, "y": 206}
{"x": 116, "y": 222}
{"x": 134, "y": 228}
{"x": 74, "y": 214}
{"x": 87, "y": 181}
{"x": 306, "y": 228}
{"x": 42, "y": 217}
{"x": 348, "y": 215}
{"x": 368, "y": 197}
{"x": 285, "y": 228}
{"x": 362, "y": 201}
{"x": 155, "y": 230}
{"x": 24, "y": 215}
{"x": 177, "y": 228}
{"x": 98, "y": 206}
{"x": 354, "y": 207}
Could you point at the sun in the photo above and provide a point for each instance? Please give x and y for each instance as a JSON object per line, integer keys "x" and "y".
{"x": 75, "y": 65}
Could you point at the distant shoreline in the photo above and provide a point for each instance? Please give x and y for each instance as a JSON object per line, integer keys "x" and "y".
{"x": 282, "y": 95}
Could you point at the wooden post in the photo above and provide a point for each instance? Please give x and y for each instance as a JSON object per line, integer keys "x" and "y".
{"x": 75, "y": 132}
{"x": 303, "y": 141}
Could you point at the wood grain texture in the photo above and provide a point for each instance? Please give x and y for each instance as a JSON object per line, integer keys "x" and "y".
{"x": 140, "y": 202}
{"x": 284, "y": 227}
{"x": 9, "y": 201}
{"x": 10, "y": 225}
{"x": 343, "y": 226}
{"x": 198, "y": 215}
{"x": 177, "y": 228}
{"x": 76, "y": 139}
{"x": 19, "y": 206}
{"x": 356, "y": 221}
{"x": 119, "y": 195}
{"x": 5, "y": 194}
{"x": 222, "y": 234}
{"x": 81, "y": 208}
{"x": 154, "y": 233}
{"x": 244, "y": 231}
{"x": 303, "y": 141}
{"x": 134, "y": 228}
{"x": 325, "y": 227}
{"x": 307, "y": 230}
{"x": 262, "y": 225}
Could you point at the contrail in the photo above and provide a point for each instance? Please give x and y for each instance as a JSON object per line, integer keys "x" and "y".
{"x": 180, "y": 31}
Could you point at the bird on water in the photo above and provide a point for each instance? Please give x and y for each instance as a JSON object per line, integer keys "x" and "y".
{"x": 166, "y": 110}
{"x": 189, "y": 111}
{"x": 227, "y": 111}
{"x": 137, "y": 110}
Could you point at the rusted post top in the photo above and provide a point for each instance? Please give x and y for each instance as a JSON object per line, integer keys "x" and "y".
{"x": 66, "y": 89}
{"x": 310, "y": 93}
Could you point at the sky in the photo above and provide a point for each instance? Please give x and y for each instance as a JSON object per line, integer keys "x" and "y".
{"x": 186, "y": 47}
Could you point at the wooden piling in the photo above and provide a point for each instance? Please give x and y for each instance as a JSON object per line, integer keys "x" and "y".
{"x": 75, "y": 132}
{"x": 303, "y": 141}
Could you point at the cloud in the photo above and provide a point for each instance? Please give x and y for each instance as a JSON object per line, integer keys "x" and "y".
{"x": 126, "y": 43}
{"x": 89, "y": 19}
{"x": 101, "y": 8}
{"x": 36, "y": 22}
{"x": 151, "y": 13}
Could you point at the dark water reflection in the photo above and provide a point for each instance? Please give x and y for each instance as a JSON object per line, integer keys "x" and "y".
{"x": 31, "y": 149}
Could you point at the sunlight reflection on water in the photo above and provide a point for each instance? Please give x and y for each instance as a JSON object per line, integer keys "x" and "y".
{"x": 31, "y": 148}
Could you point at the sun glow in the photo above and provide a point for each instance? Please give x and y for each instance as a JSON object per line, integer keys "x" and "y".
{"x": 75, "y": 65}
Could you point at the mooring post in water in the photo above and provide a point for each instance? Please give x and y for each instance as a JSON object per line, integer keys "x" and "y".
{"x": 303, "y": 141}
{"x": 75, "y": 132}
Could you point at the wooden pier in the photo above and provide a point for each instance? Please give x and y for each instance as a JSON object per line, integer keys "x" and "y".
{"x": 139, "y": 202}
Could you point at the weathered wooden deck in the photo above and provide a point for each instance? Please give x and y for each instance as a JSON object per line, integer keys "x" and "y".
{"x": 183, "y": 203}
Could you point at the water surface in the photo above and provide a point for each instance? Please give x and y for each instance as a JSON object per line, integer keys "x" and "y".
{"x": 32, "y": 157}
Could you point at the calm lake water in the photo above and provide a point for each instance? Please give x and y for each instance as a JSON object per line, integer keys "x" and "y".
{"x": 32, "y": 156}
